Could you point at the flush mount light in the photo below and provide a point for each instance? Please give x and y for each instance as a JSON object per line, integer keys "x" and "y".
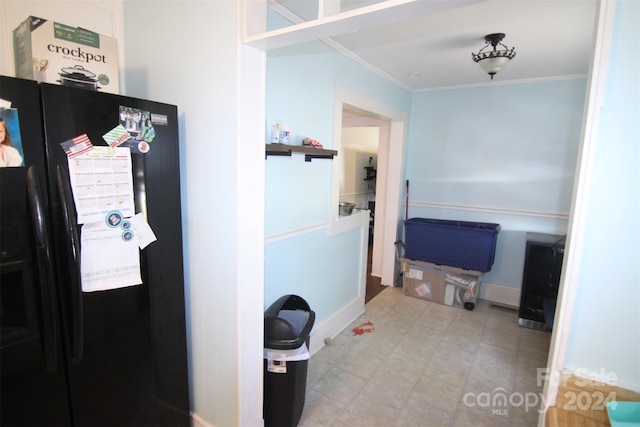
{"x": 492, "y": 61}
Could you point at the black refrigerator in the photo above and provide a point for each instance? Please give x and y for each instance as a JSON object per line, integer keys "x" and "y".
{"x": 111, "y": 356}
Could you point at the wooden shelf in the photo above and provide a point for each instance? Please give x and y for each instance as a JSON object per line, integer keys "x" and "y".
{"x": 310, "y": 153}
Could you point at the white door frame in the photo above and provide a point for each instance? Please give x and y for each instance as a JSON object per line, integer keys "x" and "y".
{"x": 388, "y": 214}
{"x": 596, "y": 88}
{"x": 365, "y": 119}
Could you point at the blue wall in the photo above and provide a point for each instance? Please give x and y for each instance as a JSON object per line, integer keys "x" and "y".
{"x": 500, "y": 154}
{"x": 605, "y": 330}
{"x": 504, "y": 154}
{"x": 301, "y": 256}
{"x": 510, "y": 147}
{"x": 300, "y": 87}
{"x": 323, "y": 270}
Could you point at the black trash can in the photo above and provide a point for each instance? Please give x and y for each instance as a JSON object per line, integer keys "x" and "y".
{"x": 287, "y": 326}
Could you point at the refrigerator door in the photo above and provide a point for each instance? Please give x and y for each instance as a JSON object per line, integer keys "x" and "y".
{"x": 33, "y": 388}
{"x": 127, "y": 351}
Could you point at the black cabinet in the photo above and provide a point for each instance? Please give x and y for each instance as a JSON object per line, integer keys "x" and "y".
{"x": 542, "y": 266}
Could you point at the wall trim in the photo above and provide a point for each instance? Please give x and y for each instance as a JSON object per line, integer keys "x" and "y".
{"x": 499, "y": 294}
{"x": 504, "y": 211}
{"x": 350, "y": 54}
{"x": 504, "y": 83}
{"x": 335, "y": 324}
{"x": 569, "y": 277}
{"x": 287, "y": 234}
{"x": 286, "y": 13}
{"x": 199, "y": 421}
{"x": 358, "y": 193}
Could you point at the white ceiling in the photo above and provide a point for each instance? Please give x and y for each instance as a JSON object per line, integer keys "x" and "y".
{"x": 552, "y": 39}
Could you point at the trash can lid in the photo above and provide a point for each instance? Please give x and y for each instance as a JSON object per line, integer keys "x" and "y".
{"x": 288, "y": 323}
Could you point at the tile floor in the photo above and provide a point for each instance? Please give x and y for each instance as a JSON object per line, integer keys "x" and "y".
{"x": 427, "y": 364}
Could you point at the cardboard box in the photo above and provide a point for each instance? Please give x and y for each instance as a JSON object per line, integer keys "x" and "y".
{"x": 424, "y": 283}
{"x": 461, "y": 288}
{"x": 441, "y": 284}
{"x": 52, "y": 52}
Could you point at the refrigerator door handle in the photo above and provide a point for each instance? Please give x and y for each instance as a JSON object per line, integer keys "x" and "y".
{"x": 45, "y": 271}
{"x": 73, "y": 258}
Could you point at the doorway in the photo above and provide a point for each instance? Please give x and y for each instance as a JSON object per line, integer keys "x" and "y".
{"x": 388, "y": 208}
{"x": 362, "y": 135}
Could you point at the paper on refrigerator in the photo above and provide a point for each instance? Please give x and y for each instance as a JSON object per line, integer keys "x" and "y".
{"x": 102, "y": 181}
{"x": 110, "y": 259}
{"x": 143, "y": 233}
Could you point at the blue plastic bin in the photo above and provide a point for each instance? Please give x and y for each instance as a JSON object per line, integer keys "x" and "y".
{"x": 624, "y": 414}
{"x": 462, "y": 244}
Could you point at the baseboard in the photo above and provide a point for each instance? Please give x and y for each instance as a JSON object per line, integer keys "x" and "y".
{"x": 328, "y": 329}
{"x": 335, "y": 324}
{"x": 501, "y": 295}
{"x": 199, "y": 422}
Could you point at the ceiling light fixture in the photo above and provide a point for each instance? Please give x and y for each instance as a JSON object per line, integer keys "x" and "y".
{"x": 492, "y": 61}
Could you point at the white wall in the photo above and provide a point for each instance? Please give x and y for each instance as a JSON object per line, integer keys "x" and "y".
{"x": 304, "y": 256}
{"x": 188, "y": 53}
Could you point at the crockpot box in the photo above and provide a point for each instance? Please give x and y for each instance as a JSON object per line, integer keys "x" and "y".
{"x": 52, "y": 52}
